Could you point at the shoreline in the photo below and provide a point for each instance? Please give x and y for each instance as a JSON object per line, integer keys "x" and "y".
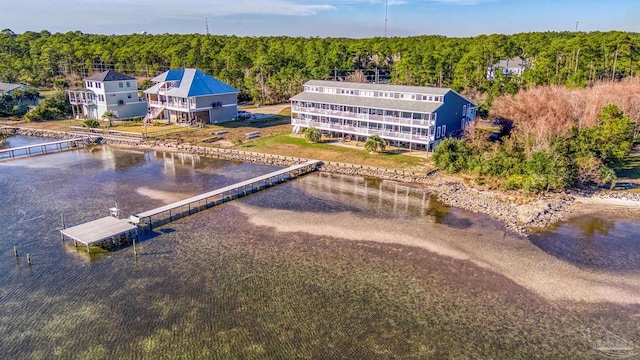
{"x": 518, "y": 219}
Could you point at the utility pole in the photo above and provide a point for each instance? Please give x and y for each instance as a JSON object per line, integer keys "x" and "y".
{"x": 577, "y": 22}
{"x": 206, "y": 21}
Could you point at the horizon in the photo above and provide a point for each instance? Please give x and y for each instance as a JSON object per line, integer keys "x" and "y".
{"x": 356, "y": 19}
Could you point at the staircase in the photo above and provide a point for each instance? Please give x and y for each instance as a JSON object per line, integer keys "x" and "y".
{"x": 153, "y": 114}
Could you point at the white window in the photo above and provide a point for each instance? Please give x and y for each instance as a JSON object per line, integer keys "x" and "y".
{"x": 444, "y": 130}
{"x": 128, "y": 84}
{"x": 100, "y": 97}
{"x": 438, "y": 132}
{"x": 120, "y": 85}
{"x": 464, "y": 110}
{"x": 89, "y": 84}
{"x": 98, "y": 85}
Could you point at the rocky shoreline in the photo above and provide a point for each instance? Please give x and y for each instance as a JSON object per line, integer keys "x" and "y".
{"x": 518, "y": 218}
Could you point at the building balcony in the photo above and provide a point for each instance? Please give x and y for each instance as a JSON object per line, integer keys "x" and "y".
{"x": 81, "y": 97}
{"x": 82, "y": 102}
{"x": 369, "y": 117}
{"x": 385, "y": 134}
{"x": 171, "y": 105}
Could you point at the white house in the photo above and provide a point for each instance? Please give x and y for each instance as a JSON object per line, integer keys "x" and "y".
{"x": 409, "y": 116}
{"x": 189, "y": 96}
{"x": 515, "y": 66}
{"x": 107, "y": 91}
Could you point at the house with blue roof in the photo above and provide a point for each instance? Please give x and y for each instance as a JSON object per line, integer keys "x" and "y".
{"x": 189, "y": 96}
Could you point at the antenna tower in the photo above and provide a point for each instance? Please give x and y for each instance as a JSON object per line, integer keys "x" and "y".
{"x": 206, "y": 21}
{"x": 386, "y": 16}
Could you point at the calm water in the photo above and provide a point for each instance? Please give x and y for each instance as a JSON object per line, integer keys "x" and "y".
{"x": 320, "y": 267}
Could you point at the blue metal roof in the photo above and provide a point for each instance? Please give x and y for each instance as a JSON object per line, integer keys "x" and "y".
{"x": 193, "y": 82}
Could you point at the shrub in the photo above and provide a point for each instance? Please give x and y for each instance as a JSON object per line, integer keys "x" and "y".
{"x": 451, "y": 155}
{"x": 236, "y": 141}
{"x": 91, "y": 123}
{"x": 514, "y": 182}
{"x": 53, "y": 107}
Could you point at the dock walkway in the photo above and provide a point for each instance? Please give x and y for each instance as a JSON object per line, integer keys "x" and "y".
{"x": 228, "y": 192}
{"x": 59, "y": 146}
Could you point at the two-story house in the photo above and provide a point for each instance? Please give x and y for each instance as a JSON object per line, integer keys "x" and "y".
{"x": 189, "y": 96}
{"x": 415, "y": 117}
{"x": 107, "y": 91}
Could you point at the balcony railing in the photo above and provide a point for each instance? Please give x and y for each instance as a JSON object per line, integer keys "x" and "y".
{"x": 368, "y": 117}
{"x": 82, "y": 101}
{"x": 172, "y": 105}
{"x": 390, "y": 135}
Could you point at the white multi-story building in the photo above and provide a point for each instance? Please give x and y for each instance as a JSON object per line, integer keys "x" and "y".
{"x": 107, "y": 91}
{"x": 408, "y": 116}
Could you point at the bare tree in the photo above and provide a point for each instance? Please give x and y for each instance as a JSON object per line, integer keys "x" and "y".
{"x": 357, "y": 76}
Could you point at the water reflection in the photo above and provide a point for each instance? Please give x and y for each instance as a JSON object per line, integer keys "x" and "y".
{"x": 375, "y": 195}
{"x": 595, "y": 242}
{"x": 592, "y": 225}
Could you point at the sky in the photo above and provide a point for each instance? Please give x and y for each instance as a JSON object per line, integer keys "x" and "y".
{"x": 321, "y": 18}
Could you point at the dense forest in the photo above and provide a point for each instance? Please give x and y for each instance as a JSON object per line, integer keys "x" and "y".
{"x": 271, "y": 69}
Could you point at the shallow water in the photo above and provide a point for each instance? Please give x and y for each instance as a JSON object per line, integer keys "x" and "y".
{"x": 320, "y": 267}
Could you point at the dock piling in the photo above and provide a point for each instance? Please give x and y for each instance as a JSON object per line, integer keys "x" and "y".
{"x": 135, "y": 252}
{"x": 15, "y": 251}
{"x": 28, "y": 259}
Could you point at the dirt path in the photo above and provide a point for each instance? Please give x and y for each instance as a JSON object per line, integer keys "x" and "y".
{"x": 269, "y": 109}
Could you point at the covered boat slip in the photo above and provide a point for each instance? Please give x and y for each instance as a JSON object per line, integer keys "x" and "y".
{"x": 100, "y": 230}
{"x": 223, "y": 194}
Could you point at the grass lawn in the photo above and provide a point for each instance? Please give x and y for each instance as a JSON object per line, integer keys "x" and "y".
{"x": 287, "y": 145}
{"x": 274, "y": 139}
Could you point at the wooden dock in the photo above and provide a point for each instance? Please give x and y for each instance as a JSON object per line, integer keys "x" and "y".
{"x": 112, "y": 228}
{"x": 44, "y": 147}
{"x": 168, "y": 213}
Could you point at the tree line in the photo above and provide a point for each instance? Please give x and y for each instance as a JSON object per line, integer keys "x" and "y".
{"x": 271, "y": 69}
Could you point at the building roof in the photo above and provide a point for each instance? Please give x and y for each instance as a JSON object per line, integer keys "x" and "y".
{"x": 190, "y": 82}
{"x": 370, "y": 102}
{"x": 426, "y": 90}
{"x": 4, "y": 87}
{"x": 109, "y": 75}
{"x": 516, "y": 62}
